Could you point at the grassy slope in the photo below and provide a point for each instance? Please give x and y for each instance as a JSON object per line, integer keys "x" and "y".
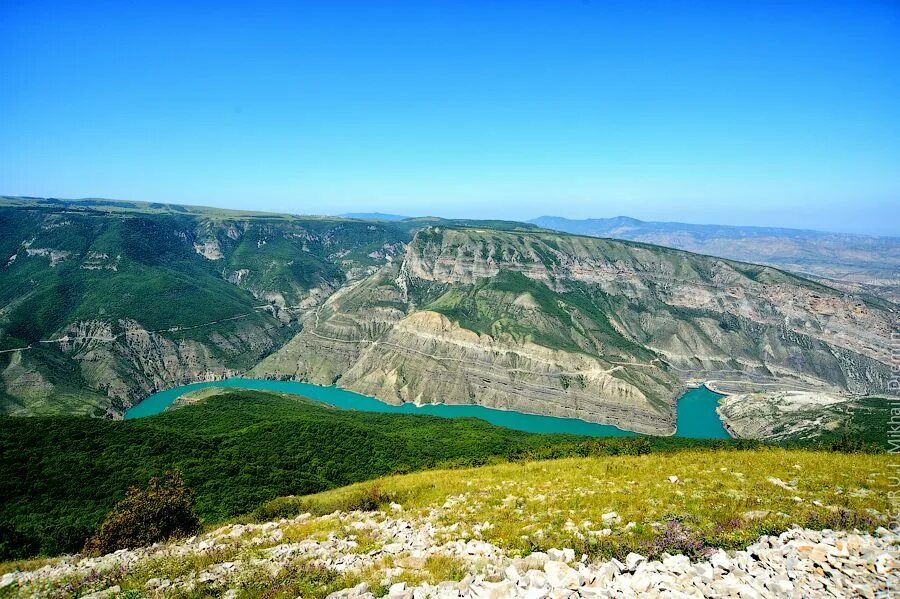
{"x": 237, "y": 450}
{"x": 160, "y": 282}
{"x": 523, "y": 507}
{"x": 557, "y": 322}
{"x": 721, "y": 498}
{"x": 155, "y": 263}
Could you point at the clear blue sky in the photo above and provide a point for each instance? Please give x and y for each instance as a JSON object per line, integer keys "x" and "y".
{"x": 782, "y": 113}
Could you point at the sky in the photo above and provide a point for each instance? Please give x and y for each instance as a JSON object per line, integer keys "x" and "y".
{"x": 749, "y": 113}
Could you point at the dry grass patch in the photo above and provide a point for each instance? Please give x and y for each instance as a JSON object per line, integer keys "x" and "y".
{"x": 724, "y": 499}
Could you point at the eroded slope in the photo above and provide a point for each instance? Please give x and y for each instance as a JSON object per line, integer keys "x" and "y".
{"x": 602, "y": 330}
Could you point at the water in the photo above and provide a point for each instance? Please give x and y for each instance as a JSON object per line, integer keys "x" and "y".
{"x": 696, "y": 418}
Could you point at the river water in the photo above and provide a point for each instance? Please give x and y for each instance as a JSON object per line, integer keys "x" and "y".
{"x": 696, "y": 414}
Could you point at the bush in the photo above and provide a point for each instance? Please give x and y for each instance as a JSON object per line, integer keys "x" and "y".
{"x": 370, "y": 499}
{"x": 677, "y": 537}
{"x": 163, "y": 510}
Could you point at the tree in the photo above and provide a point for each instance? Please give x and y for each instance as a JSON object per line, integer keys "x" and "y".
{"x": 165, "y": 509}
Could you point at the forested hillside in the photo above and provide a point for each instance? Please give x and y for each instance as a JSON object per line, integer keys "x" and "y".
{"x": 237, "y": 450}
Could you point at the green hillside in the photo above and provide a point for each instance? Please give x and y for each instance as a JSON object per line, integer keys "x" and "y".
{"x": 153, "y": 296}
{"x": 482, "y": 530}
{"x": 238, "y": 450}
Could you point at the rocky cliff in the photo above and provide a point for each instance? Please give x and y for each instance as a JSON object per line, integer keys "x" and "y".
{"x": 103, "y": 304}
{"x": 573, "y": 326}
{"x": 99, "y": 309}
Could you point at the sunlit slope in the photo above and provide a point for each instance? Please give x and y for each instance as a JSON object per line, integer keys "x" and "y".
{"x": 724, "y": 498}
{"x": 237, "y": 449}
{"x": 108, "y": 306}
{"x": 597, "y": 329}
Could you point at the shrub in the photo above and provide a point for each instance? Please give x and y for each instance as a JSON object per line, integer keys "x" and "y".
{"x": 677, "y": 538}
{"x": 280, "y": 507}
{"x": 163, "y": 510}
{"x": 369, "y": 499}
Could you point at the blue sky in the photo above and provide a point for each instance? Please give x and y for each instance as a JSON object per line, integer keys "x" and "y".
{"x": 769, "y": 113}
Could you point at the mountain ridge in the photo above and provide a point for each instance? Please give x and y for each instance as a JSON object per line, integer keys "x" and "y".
{"x": 854, "y": 262}
{"x": 622, "y": 220}
{"x": 499, "y": 313}
{"x": 432, "y": 328}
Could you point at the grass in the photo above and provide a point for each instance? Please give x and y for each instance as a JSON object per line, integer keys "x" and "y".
{"x": 721, "y": 499}
{"x": 241, "y": 450}
{"x": 237, "y": 451}
{"x": 718, "y": 501}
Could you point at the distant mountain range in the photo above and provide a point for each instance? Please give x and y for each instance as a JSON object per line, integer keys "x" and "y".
{"x": 373, "y": 216}
{"x": 854, "y": 262}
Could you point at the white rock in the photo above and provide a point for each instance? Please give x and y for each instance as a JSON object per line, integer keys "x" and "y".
{"x": 104, "y": 594}
{"x": 560, "y": 575}
{"x": 633, "y": 560}
{"x": 884, "y": 563}
{"x": 564, "y": 555}
{"x": 780, "y": 483}
{"x": 494, "y": 590}
{"x": 536, "y": 578}
{"x": 720, "y": 559}
{"x": 536, "y": 593}
{"x": 511, "y": 573}
{"x": 606, "y": 573}
{"x": 704, "y": 572}
{"x": 678, "y": 564}
{"x": 609, "y": 516}
{"x": 782, "y": 587}
{"x": 640, "y": 580}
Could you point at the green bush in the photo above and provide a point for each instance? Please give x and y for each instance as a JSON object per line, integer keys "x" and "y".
{"x": 163, "y": 510}
{"x": 367, "y": 499}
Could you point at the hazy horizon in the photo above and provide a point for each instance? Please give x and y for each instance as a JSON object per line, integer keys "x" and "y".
{"x": 373, "y": 213}
{"x": 745, "y": 113}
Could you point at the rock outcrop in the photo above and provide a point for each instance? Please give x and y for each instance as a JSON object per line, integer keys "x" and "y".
{"x": 580, "y": 327}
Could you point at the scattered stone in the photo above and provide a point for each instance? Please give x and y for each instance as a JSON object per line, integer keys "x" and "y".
{"x": 780, "y": 483}
{"x": 797, "y": 563}
{"x": 104, "y": 594}
{"x": 609, "y": 517}
{"x": 755, "y": 514}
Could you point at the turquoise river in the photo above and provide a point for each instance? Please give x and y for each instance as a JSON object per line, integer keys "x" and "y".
{"x": 696, "y": 417}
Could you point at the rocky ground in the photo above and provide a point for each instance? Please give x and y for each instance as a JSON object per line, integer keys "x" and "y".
{"x": 782, "y": 415}
{"x": 368, "y": 554}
